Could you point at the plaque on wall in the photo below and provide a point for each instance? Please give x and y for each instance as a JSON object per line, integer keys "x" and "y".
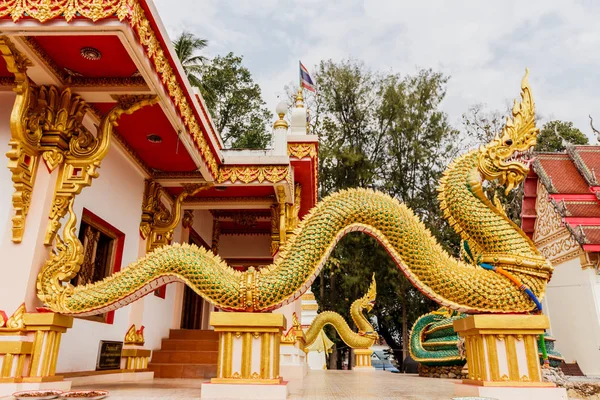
{"x": 109, "y": 355}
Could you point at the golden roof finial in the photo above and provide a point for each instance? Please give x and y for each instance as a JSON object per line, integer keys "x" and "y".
{"x": 299, "y": 98}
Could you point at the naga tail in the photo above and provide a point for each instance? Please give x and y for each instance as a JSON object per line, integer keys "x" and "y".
{"x": 433, "y": 340}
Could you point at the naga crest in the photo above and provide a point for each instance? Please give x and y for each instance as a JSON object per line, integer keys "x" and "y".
{"x": 368, "y": 300}
{"x": 507, "y": 158}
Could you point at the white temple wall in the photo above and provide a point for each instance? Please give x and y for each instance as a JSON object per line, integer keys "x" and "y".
{"x": 246, "y": 246}
{"x": 203, "y": 225}
{"x": 116, "y": 197}
{"x": 6, "y": 211}
{"x": 571, "y": 300}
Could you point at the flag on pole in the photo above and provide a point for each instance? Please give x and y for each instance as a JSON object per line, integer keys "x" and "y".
{"x": 305, "y": 79}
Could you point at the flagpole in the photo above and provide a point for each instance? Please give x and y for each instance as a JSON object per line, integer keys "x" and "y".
{"x": 300, "y": 74}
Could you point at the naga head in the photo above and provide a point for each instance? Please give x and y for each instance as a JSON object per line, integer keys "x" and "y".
{"x": 508, "y": 157}
{"x": 368, "y": 300}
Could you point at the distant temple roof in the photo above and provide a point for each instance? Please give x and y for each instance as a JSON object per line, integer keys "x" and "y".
{"x": 570, "y": 179}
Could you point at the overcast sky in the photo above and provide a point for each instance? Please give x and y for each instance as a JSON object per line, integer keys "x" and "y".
{"x": 484, "y": 46}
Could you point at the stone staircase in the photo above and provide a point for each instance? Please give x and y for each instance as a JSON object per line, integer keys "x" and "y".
{"x": 190, "y": 354}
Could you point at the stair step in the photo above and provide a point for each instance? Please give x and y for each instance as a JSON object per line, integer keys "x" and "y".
{"x": 190, "y": 345}
{"x": 183, "y": 371}
{"x": 193, "y": 334}
{"x": 185, "y": 357}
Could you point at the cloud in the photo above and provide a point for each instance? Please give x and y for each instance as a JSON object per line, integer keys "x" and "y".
{"x": 483, "y": 46}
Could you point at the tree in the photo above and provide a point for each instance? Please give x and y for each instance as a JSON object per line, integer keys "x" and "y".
{"x": 235, "y": 102}
{"x": 383, "y": 132}
{"x": 186, "y": 47}
{"x": 557, "y": 135}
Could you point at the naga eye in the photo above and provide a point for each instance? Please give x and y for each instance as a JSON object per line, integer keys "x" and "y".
{"x": 508, "y": 142}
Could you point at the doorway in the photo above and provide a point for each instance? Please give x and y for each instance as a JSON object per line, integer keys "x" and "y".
{"x": 193, "y": 304}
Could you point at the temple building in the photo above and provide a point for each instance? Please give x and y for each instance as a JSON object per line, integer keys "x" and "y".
{"x": 100, "y": 124}
{"x": 561, "y": 213}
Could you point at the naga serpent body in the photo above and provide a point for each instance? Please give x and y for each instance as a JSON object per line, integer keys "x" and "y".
{"x": 450, "y": 282}
{"x": 434, "y": 342}
{"x": 366, "y": 336}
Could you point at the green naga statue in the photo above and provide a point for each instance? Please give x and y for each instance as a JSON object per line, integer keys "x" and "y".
{"x": 433, "y": 341}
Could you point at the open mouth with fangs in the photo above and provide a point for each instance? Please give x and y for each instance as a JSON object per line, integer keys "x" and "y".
{"x": 523, "y": 157}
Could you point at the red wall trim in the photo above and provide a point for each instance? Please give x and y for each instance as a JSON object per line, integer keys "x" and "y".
{"x": 591, "y": 247}
{"x": 120, "y": 238}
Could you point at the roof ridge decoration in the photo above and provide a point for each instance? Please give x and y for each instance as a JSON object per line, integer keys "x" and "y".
{"x": 588, "y": 176}
{"x": 134, "y": 13}
{"x": 546, "y": 180}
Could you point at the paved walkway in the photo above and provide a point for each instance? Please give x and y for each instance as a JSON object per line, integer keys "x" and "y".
{"x": 318, "y": 385}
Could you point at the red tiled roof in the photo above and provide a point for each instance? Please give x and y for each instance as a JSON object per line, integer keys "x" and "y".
{"x": 563, "y": 173}
{"x": 582, "y": 208}
{"x": 592, "y": 234}
{"x": 569, "y": 178}
{"x": 590, "y": 155}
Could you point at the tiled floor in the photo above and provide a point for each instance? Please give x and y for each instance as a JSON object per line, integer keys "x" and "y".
{"x": 318, "y": 385}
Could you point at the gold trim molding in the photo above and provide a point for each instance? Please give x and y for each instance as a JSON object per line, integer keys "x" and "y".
{"x": 247, "y": 174}
{"x": 301, "y": 150}
{"x": 83, "y": 157}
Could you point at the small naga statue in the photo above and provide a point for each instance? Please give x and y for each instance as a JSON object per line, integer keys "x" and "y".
{"x": 504, "y": 273}
{"x": 366, "y": 336}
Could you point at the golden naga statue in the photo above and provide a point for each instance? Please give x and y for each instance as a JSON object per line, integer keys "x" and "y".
{"x": 366, "y": 336}
{"x": 509, "y": 258}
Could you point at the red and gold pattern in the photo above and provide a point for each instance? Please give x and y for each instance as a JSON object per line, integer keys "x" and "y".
{"x": 247, "y": 174}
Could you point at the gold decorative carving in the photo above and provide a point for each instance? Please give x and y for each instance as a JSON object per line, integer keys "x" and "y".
{"x": 188, "y": 219}
{"x": 301, "y": 150}
{"x": 216, "y": 235}
{"x": 85, "y": 152}
{"x": 23, "y": 155}
{"x": 135, "y": 15}
{"x": 158, "y": 223}
{"x": 90, "y": 245}
{"x": 16, "y": 321}
{"x": 280, "y": 191}
{"x": 135, "y": 337}
{"x": 292, "y": 211}
{"x": 551, "y": 236}
{"x": 247, "y": 174}
{"x": 274, "y": 229}
{"x": 289, "y": 337}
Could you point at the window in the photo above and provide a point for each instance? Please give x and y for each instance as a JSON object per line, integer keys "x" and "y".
{"x": 102, "y": 254}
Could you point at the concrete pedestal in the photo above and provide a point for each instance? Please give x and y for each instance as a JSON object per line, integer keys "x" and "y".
{"x": 293, "y": 367}
{"x": 503, "y": 357}
{"x": 248, "y": 359}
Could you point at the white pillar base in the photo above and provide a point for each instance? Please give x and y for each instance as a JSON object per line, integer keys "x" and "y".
{"x": 244, "y": 392}
{"x": 364, "y": 369}
{"x": 6, "y": 389}
{"x": 293, "y": 367}
{"x": 510, "y": 392}
{"x": 112, "y": 378}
